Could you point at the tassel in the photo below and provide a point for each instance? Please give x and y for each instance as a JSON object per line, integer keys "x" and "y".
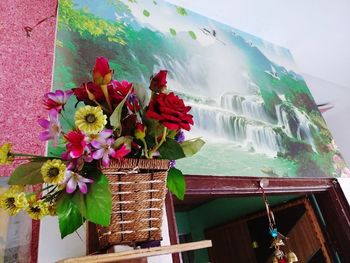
{"x": 292, "y": 257}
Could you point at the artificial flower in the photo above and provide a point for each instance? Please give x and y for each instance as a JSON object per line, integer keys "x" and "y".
{"x": 52, "y": 209}
{"x": 56, "y": 100}
{"x": 101, "y": 136}
{"x": 72, "y": 180}
{"x": 52, "y": 126}
{"x": 90, "y": 120}
{"x": 158, "y": 81}
{"x": 171, "y": 111}
{"x": 5, "y": 153}
{"x": 122, "y": 152}
{"x": 104, "y": 149}
{"x": 82, "y": 93}
{"x": 180, "y": 136}
{"x": 101, "y": 73}
{"x": 52, "y": 171}
{"x": 118, "y": 90}
{"x": 76, "y": 144}
{"x": 140, "y": 131}
{"x": 36, "y": 209}
{"x": 13, "y": 202}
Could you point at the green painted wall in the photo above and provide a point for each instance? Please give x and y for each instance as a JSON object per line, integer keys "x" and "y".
{"x": 217, "y": 212}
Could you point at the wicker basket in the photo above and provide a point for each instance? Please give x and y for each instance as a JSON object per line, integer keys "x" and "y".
{"x": 138, "y": 189}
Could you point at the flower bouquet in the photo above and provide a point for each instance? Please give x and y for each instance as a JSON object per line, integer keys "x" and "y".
{"x": 118, "y": 132}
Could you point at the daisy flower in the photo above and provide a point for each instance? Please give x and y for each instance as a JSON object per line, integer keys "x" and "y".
{"x": 90, "y": 120}
{"x": 13, "y": 202}
{"x": 52, "y": 126}
{"x": 53, "y": 171}
{"x": 5, "y": 154}
{"x": 36, "y": 209}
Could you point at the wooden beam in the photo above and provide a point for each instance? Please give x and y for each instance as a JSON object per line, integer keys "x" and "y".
{"x": 140, "y": 253}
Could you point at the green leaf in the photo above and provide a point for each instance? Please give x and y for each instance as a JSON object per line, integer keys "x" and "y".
{"x": 172, "y": 31}
{"x": 171, "y": 150}
{"x": 69, "y": 217}
{"x": 180, "y": 10}
{"x": 176, "y": 183}
{"x": 96, "y": 205}
{"x": 116, "y": 116}
{"x": 191, "y": 147}
{"x": 146, "y": 13}
{"x": 28, "y": 173}
{"x": 192, "y": 35}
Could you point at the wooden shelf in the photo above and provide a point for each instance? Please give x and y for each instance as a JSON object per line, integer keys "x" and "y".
{"x": 140, "y": 253}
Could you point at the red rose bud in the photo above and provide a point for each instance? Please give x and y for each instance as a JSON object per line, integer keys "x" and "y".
{"x": 158, "y": 81}
{"x": 102, "y": 74}
{"x": 170, "y": 111}
{"x": 140, "y": 131}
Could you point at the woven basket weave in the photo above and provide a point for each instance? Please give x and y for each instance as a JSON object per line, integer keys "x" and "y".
{"x": 138, "y": 189}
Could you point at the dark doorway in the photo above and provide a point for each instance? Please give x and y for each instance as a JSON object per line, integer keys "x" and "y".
{"x": 327, "y": 202}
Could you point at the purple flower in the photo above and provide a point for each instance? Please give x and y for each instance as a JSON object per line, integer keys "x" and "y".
{"x": 180, "y": 137}
{"x": 56, "y": 100}
{"x": 103, "y": 150}
{"x": 172, "y": 163}
{"x": 52, "y": 126}
{"x": 72, "y": 180}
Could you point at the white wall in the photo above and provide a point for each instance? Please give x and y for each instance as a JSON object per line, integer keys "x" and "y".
{"x": 52, "y": 248}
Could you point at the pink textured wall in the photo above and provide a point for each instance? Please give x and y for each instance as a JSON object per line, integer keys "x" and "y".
{"x": 25, "y": 72}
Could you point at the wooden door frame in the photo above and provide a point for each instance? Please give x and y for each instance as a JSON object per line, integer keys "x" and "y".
{"x": 327, "y": 191}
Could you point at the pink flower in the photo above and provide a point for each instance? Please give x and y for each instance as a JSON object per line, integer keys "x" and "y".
{"x": 101, "y": 136}
{"x": 122, "y": 152}
{"x": 52, "y": 126}
{"x": 77, "y": 144}
{"x": 56, "y": 100}
{"x": 104, "y": 150}
{"x": 72, "y": 180}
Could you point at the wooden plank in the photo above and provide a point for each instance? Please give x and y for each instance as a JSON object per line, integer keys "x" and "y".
{"x": 140, "y": 253}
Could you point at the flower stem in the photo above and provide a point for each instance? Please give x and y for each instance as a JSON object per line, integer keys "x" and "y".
{"x": 145, "y": 147}
{"x": 25, "y": 155}
{"x": 152, "y": 151}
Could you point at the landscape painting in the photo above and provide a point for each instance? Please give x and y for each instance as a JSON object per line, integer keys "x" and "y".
{"x": 250, "y": 105}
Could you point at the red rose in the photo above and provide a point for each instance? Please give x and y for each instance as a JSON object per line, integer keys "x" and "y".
{"x": 171, "y": 111}
{"x": 158, "y": 81}
{"x": 101, "y": 73}
{"x": 94, "y": 89}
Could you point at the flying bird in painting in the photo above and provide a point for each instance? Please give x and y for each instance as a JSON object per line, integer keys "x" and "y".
{"x": 212, "y": 33}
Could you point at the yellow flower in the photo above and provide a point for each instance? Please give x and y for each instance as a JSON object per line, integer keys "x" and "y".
{"x": 53, "y": 171}
{"x": 13, "y": 202}
{"x": 52, "y": 209}
{"x": 90, "y": 120}
{"x": 5, "y": 156}
{"x": 37, "y": 209}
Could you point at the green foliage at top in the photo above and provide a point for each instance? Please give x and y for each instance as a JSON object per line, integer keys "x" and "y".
{"x": 87, "y": 25}
{"x": 180, "y": 10}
